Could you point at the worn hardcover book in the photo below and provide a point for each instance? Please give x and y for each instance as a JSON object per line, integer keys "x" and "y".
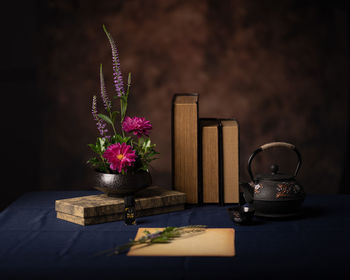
{"x": 102, "y": 208}
{"x": 219, "y": 161}
{"x": 185, "y": 145}
{"x": 230, "y": 160}
{"x": 210, "y": 160}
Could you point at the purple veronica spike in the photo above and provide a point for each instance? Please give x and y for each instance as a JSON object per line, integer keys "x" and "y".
{"x": 117, "y": 74}
{"x": 106, "y": 102}
{"x": 94, "y": 108}
{"x": 99, "y": 123}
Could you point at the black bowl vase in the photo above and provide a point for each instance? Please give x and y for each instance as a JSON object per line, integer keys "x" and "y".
{"x": 122, "y": 185}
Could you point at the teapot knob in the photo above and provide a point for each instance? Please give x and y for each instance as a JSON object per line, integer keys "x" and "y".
{"x": 274, "y": 169}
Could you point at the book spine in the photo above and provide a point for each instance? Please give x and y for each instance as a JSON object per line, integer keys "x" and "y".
{"x": 173, "y": 132}
{"x": 198, "y": 151}
{"x": 191, "y": 189}
{"x": 204, "y": 192}
{"x": 228, "y": 158}
{"x": 200, "y": 164}
{"x": 239, "y": 169}
{"x": 220, "y": 167}
{"x": 173, "y": 141}
{"x": 232, "y": 158}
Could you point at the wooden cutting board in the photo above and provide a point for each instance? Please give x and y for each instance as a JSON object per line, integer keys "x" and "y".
{"x": 219, "y": 242}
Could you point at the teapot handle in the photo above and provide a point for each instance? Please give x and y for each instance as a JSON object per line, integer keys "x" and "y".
{"x": 271, "y": 145}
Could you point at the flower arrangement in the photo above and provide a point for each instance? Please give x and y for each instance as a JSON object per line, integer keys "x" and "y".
{"x": 119, "y": 153}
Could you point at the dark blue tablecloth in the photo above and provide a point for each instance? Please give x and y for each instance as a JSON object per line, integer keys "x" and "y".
{"x": 34, "y": 244}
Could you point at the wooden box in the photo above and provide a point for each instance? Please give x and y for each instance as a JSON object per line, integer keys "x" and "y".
{"x": 100, "y": 208}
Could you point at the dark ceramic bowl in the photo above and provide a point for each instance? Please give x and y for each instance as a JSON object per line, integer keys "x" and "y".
{"x": 241, "y": 214}
{"x": 122, "y": 185}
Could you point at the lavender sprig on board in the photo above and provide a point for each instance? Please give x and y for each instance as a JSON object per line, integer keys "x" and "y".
{"x": 117, "y": 74}
{"x": 164, "y": 236}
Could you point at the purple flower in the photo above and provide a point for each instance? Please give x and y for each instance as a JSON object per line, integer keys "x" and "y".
{"x": 100, "y": 124}
{"x": 104, "y": 95}
{"x": 138, "y": 126}
{"x": 117, "y": 74}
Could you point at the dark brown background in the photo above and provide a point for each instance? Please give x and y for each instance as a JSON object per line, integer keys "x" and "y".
{"x": 279, "y": 67}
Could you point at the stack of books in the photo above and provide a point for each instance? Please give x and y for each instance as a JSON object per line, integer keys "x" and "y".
{"x": 96, "y": 209}
{"x": 205, "y": 154}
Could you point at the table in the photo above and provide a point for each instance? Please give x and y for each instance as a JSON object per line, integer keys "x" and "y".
{"x": 34, "y": 244}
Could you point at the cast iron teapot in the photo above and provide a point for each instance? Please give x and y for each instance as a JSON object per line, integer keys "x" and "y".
{"x": 275, "y": 194}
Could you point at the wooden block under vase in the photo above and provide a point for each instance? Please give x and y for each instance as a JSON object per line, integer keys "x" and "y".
{"x": 102, "y": 208}
{"x": 117, "y": 216}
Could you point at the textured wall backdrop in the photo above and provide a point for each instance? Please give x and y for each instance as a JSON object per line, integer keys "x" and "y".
{"x": 279, "y": 67}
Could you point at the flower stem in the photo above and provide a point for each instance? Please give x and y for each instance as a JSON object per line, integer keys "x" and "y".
{"x": 124, "y": 102}
{"x": 123, "y": 107}
{"x": 110, "y": 115}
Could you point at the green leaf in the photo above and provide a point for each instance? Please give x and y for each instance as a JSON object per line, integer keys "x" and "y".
{"x": 148, "y": 143}
{"x": 104, "y": 28}
{"x": 120, "y": 139}
{"x": 143, "y": 168}
{"x": 105, "y": 118}
{"x": 93, "y": 148}
{"x": 101, "y": 145}
{"x": 128, "y": 140}
{"x": 101, "y": 141}
{"x": 98, "y": 164}
{"x": 124, "y": 98}
{"x": 160, "y": 240}
{"x": 151, "y": 154}
{"x": 92, "y": 161}
{"x": 114, "y": 116}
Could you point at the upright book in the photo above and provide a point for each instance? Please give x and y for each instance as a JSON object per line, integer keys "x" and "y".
{"x": 230, "y": 160}
{"x": 219, "y": 161}
{"x": 185, "y": 145}
{"x": 210, "y": 161}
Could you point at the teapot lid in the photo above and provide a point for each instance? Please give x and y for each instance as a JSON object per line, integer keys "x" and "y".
{"x": 274, "y": 176}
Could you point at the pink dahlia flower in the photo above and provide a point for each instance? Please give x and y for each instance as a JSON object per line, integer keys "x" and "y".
{"x": 138, "y": 126}
{"x": 120, "y": 156}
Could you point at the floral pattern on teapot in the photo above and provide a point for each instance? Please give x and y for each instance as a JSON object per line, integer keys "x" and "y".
{"x": 257, "y": 188}
{"x": 286, "y": 189}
